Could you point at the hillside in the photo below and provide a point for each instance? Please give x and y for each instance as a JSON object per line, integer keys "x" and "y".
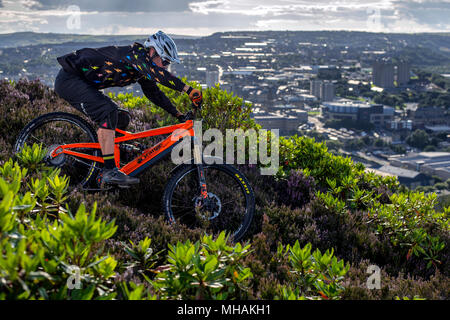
{"x": 320, "y": 223}
{"x": 21, "y": 39}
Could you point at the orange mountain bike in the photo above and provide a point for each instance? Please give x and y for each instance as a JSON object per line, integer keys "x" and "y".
{"x": 198, "y": 192}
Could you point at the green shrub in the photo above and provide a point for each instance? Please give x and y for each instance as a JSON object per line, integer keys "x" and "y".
{"x": 39, "y": 253}
{"x": 409, "y": 221}
{"x": 210, "y": 269}
{"x": 317, "y": 275}
{"x": 317, "y": 198}
{"x": 32, "y": 157}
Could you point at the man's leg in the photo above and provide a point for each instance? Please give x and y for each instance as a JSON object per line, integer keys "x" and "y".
{"x": 106, "y": 140}
{"x": 100, "y": 109}
{"x": 106, "y": 135}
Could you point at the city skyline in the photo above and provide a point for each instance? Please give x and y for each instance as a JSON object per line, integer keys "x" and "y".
{"x": 204, "y": 17}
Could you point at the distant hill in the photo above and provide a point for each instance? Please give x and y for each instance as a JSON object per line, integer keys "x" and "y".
{"x": 34, "y": 54}
{"x": 434, "y": 41}
{"x": 21, "y": 39}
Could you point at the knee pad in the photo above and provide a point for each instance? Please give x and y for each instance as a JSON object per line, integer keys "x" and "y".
{"x": 110, "y": 121}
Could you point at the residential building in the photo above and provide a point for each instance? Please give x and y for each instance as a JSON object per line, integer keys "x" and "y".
{"x": 403, "y": 73}
{"x": 323, "y": 90}
{"x": 315, "y": 88}
{"x": 327, "y": 91}
{"x": 383, "y": 73}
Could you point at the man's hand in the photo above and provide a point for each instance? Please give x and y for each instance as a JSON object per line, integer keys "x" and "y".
{"x": 195, "y": 96}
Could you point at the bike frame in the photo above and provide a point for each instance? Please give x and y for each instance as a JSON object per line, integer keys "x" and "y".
{"x": 149, "y": 156}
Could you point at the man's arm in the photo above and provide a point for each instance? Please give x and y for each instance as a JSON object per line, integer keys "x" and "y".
{"x": 155, "y": 95}
{"x": 141, "y": 63}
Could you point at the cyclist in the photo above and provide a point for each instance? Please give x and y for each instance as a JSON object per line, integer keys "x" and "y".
{"x": 89, "y": 70}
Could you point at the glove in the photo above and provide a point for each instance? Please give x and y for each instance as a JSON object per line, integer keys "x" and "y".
{"x": 195, "y": 96}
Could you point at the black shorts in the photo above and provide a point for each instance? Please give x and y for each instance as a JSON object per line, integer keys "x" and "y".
{"x": 84, "y": 97}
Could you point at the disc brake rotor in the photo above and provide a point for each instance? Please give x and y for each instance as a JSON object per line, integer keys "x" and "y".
{"x": 211, "y": 204}
{"x": 57, "y": 161}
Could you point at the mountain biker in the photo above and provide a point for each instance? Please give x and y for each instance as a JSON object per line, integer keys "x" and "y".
{"x": 89, "y": 70}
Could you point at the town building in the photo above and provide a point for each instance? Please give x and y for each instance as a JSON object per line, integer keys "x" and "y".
{"x": 431, "y": 163}
{"x": 286, "y": 118}
{"x": 327, "y": 91}
{"x": 323, "y": 90}
{"x": 410, "y": 178}
{"x": 403, "y": 73}
{"x": 377, "y": 114}
{"x": 315, "y": 88}
{"x": 427, "y": 116}
{"x": 383, "y": 73}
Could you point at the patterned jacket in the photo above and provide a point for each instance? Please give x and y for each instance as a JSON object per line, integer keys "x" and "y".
{"x": 119, "y": 66}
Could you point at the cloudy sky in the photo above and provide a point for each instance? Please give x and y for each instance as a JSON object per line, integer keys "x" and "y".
{"x": 203, "y": 17}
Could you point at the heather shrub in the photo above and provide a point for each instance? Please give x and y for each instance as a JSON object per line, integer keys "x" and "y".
{"x": 317, "y": 199}
{"x": 436, "y": 287}
{"x": 23, "y": 101}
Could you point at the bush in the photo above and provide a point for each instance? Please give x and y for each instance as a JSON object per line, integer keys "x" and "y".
{"x": 41, "y": 254}
{"x": 317, "y": 275}
{"x": 317, "y": 199}
{"x": 210, "y": 269}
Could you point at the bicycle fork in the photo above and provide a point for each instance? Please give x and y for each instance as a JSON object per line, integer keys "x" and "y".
{"x": 198, "y": 159}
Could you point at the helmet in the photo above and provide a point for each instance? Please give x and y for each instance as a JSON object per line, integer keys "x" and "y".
{"x": 164, "y": 46}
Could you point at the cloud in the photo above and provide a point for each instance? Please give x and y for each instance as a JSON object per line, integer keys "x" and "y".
{"x": 113, "y": 5}
{"x": 202, "y": 17}
{"x": 280, "y": 7}
{"x": 427, "y": 12}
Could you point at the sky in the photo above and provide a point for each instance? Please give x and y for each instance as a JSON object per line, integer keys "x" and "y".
{"x": 204, "y": 17}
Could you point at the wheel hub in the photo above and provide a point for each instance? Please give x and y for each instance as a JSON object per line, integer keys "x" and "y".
{"x": 57, "y": 161}
{"x": 212, "y": 204}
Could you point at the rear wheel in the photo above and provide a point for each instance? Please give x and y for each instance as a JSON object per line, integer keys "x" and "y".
{"x": 55, "y": 129}
{"x": 229, "y": 206}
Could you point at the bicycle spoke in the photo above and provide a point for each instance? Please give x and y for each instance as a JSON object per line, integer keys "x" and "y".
{"x": 225, "y": 200}
{"x": 64, "y": 129}
{"x": 38, "y": 140}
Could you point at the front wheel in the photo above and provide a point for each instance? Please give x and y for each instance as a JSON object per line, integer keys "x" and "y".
{"x": 229, "y": 206}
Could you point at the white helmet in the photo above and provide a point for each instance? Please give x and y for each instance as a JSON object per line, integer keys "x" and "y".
{"x": 164, "y": 46}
